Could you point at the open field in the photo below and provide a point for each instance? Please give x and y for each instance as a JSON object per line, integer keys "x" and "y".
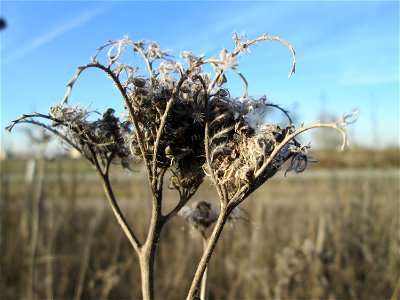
{"x": 322, "y": 235}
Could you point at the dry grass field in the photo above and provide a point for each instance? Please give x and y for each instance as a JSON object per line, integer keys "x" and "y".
{"x": 323, "y": 234}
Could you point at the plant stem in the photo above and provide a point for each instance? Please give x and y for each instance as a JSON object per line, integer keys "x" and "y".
{"x": 118, "y": 213}
{"x": 147, "y": 271}
{"x": 145, "y": 252}
{"x": 148, "y": 250}
{"x": 212, "y": 242}
{"x": 203, "y": 288}
{"x": 204, "y": 279}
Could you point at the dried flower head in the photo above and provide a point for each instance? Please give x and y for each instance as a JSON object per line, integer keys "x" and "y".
{"x": 183, "y": 120}
{"x": 200, "y": 215}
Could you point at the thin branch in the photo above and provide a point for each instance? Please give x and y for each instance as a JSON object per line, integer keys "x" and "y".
{"x": 247, "y": 189}
{"x": 164, "y": 117}
{"x": 218, "y": 62}
{"x": 103, "y": 174}
{"x": 145, "y": 58}
{"x": 137, "y": 131}
{"x": 24, "y": 119}
{"x": 245, "y": 46}
{"x": 286, "y": 113}
{"x": 108, "y": 162}
{"x": 207, "y": 139}
{"x": 182, "y": 202}
{"x": 218, "y": 74}
{"x": 156, "y": 222}
{"x": 244, "y": 81}
{"x": 34, "y": 115}
{"x": 119, "y": 215}
{"x": 337, "y": 126}
{"x": 114, "y": 59}
{"x": 204, "y": 279}
{"x": 114, "y": 205}
{"x": 72, "y": 82}
{"x": 109, "y": 43}
{"x": 178, "y": 186}
{"x": 265, "y": 37}
{"x": 160, "y": 179}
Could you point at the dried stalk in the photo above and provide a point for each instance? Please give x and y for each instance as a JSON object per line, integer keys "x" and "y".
{"x": 204, "y": 279}
{"x": 211, "y": 244}
{"x": 118, "y": 213}
{"x": 187, "y": 124}
{"x": 245, "y": 191}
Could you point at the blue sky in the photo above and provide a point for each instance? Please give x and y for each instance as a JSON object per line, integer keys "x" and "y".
{"x": 347, "y": 54}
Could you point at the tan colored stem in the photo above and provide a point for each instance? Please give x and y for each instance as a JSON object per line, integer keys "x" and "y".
{"x": 147, "y": 274}
{"x": 203, "y": 289}
{"x": 118, "y": 213}
{"x": 212, "y": 242}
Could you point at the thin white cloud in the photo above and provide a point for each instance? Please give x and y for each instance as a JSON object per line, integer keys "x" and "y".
{"x": 354, "y": 76}
{"x": 56, "y": 32}
{"x": 251, "y": 16}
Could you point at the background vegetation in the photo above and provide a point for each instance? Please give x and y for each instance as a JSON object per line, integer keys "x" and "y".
{"x": 321, "y": 234}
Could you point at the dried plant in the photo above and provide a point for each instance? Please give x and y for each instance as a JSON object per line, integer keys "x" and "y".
{"x": 182, "y": 120}
{"x": 201, "y": 216}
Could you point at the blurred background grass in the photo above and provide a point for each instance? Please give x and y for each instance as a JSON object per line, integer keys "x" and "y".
{"x": 331, "y": 232}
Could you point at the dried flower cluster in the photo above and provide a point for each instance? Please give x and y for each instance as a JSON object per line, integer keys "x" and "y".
{"x": 193, "y": 102}
{"x": 201, "y": 215}
{"x": 239, "y": 150}
{"x": 105, "y": 136}
{"x": 183, "y": 120}
{"x": 169, "y": 111}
